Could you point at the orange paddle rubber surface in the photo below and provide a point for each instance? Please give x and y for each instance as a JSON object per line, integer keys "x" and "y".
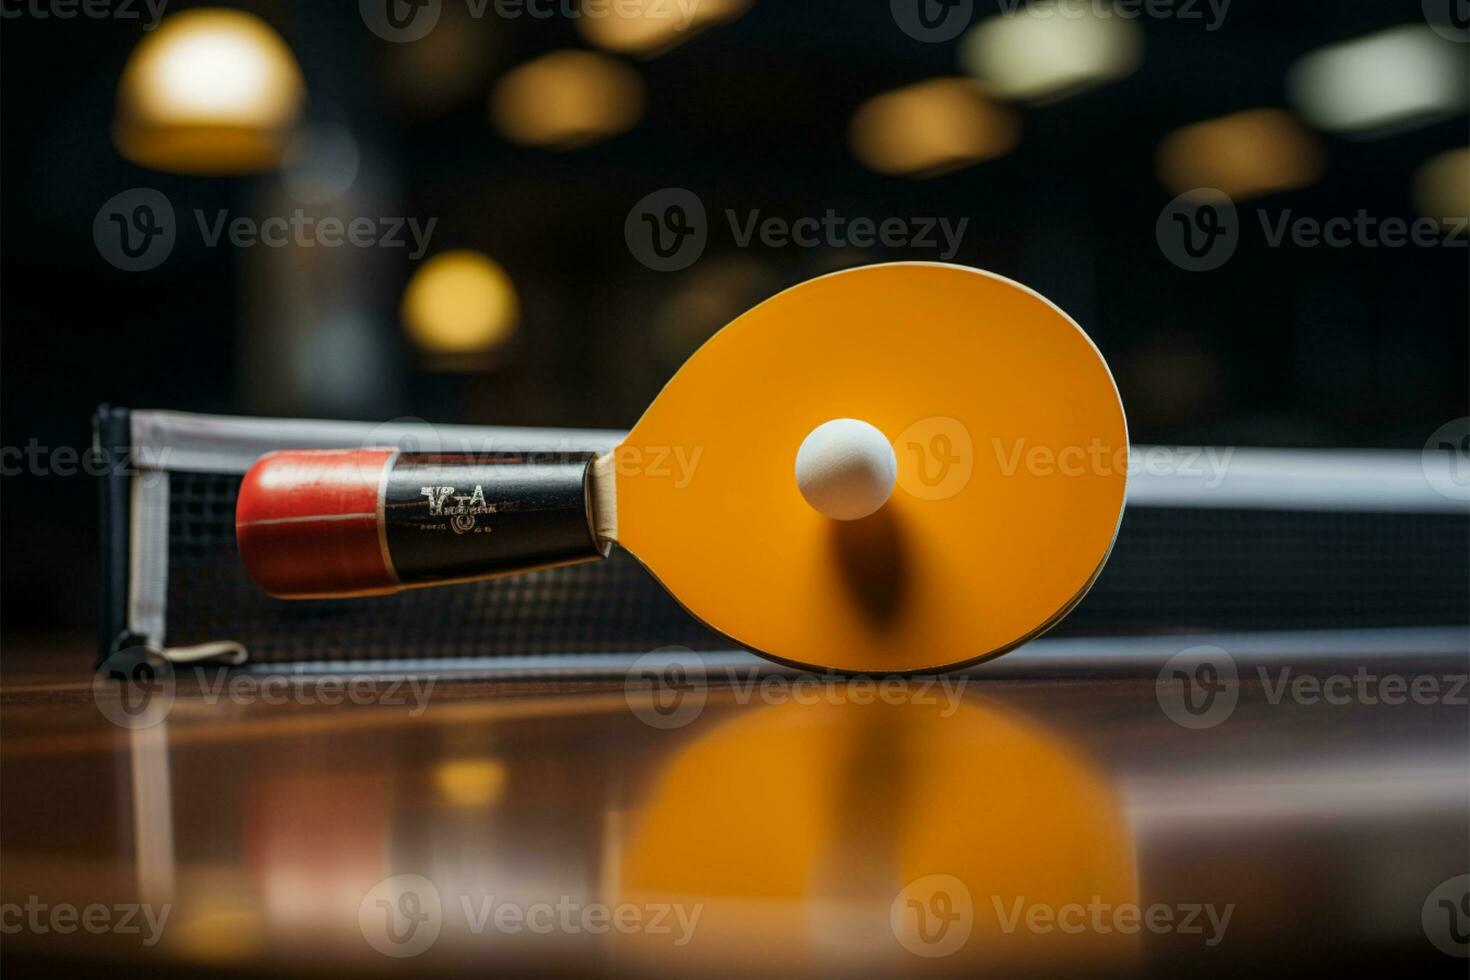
{"x": 1012, "y": 463}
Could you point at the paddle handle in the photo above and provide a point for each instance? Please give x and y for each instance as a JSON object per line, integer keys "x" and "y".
{"x": 324, "y": 523}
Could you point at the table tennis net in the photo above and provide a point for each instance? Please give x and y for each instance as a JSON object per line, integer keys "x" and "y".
{"x": 1187, "y": 560}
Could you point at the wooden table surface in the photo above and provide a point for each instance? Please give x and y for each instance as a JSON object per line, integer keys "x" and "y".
{"x": 997, "y": 826}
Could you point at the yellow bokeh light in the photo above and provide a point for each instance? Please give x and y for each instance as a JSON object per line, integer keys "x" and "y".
{"x": 460, "y": 302}
{"x": 567, "y": 99}
{"x": 931, "y": 128}
{"x": 1244, "y": 154}
{"x": 211, "y": 91}
{"x": 648, "y": 27}
{"x": 1442, "y": 187}
{"x": 471, "y": 782}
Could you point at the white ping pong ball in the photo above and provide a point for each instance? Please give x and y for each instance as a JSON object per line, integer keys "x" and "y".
{"x": 846, "y": 469}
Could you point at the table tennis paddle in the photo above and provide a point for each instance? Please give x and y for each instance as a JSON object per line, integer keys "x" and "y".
{"x": 897, "y": 467}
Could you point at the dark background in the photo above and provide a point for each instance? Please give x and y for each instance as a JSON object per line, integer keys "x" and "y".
{"x": 1321, "y": 347}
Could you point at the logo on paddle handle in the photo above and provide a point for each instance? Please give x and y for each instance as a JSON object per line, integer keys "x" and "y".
{"x": 461, "y": 515}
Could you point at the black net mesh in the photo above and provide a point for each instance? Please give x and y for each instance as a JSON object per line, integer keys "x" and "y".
{"x": 1172, "y": 570}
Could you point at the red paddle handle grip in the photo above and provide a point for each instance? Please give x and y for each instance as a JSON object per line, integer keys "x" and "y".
{"x": 325, "y": 523}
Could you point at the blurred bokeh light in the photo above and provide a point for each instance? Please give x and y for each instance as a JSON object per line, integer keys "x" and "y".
{"x": 1245, "y": 154}
{"x": 470, "y": 783}
{"x": 1442, "y": 187}
{"x": 649, "y": 27}
{"x": 931, "y": 128}
{"x": 1380, "y": 83}
{"x": 320, "y": 163}
{"x": 460, "y": 302}
{"x": 211, "y": 91}
{"x": 448, "y": 66}
{"x": 567, "y": 99}
{"x": 1042, "y": 52}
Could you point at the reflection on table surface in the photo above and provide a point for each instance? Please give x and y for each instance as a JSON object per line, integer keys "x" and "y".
{"x": 1035, "y": 826}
